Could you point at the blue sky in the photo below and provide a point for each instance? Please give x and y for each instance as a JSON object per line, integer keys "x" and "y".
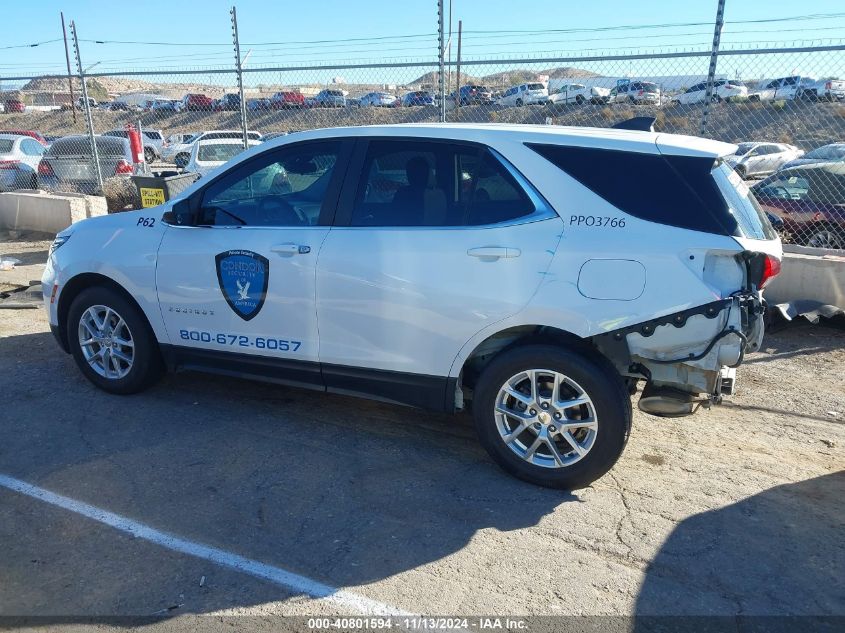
{"x": 291, "y": 33}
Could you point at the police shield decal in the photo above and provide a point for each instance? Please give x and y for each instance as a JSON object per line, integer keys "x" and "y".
{"x": 243, "y": 278}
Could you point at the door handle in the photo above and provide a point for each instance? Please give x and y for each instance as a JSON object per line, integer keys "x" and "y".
{"x": 290, "y": 248}
{"x": 493, "y": 252}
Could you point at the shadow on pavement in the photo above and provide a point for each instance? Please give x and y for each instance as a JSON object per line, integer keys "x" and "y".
{"x": 778, "y": 553}
{"x": 339, "y": 489}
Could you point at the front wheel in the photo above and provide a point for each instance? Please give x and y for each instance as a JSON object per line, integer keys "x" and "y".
{"x": 552, "y": 416}
{"x": 111, "y": 342}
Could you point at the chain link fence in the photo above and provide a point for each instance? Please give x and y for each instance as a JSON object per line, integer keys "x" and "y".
{"x": 783, "y": 106}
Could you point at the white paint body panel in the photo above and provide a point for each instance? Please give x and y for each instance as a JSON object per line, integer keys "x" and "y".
{"x": 411, "y": 299}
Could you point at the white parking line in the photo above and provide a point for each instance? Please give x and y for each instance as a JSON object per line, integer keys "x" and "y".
{"x": 275, "y": 575}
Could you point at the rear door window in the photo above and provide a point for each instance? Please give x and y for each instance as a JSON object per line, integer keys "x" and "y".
{"x": 420, "y": 183}
{"x": 742, "y": 205}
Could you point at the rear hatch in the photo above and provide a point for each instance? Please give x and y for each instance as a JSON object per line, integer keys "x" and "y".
{"x": 72, "y": 161}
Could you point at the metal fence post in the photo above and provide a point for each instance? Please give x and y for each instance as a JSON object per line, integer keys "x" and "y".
{"x": 89, "y": 121}
{"x": 714, "y": 57}
{"x": 441, "y": 45}
{"x": 240, "y": 72}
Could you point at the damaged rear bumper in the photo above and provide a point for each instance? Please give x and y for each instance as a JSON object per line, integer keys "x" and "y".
{"x": 684, "y": 353}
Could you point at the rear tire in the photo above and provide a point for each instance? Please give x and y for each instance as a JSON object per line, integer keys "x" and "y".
{"x": 579, "y": 99}
{"x": 112, "y": 342}
{"x": 149, "y": 155}
{"x": 600, "y": 426}
{"x": 519, "y": 103}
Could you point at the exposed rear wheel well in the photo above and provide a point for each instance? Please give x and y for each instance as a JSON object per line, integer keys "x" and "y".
{"x": 517, "y": 336}
{"x": 76, "y": 285}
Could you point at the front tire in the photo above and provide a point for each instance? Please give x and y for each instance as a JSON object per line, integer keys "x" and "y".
{"x": 552, "y": 416}
{"x": 111, "y": 342}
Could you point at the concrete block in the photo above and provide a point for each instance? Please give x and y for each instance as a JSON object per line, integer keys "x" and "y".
{"x": 28, "y": 210}
{"x": 804, "y": 277}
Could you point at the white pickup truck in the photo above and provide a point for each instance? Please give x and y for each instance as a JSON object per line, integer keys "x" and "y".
{"x": 578, "y": 93}
{"x": 823, "y": 89}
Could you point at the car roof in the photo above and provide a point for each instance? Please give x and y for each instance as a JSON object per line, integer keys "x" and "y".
{"x": 834, "y": 167}
{"x": 605, "y": 138}
{"x": 224, "y": 141}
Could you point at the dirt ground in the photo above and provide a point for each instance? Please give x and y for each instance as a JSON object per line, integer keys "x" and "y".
{"x": 736, "y": 511}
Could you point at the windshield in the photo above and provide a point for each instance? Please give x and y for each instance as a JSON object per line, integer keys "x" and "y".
{"x": 750, "y": 218}
{"x": 218, "y": 153}
{"x": 535, "y": 86}
{"x": 742, "y": 149}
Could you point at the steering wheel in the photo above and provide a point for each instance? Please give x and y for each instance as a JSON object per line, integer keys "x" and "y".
{"x": 275, "y": 210}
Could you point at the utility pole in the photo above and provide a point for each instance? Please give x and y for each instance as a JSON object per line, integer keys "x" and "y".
{"x": 69, "y": 75}
{"x": 89, "y": 121}
{"x": 239, "y": 69}
{"x": 441, "y": 86}
{"x": 458, "y": 80}
{"x": 714, "y": 56}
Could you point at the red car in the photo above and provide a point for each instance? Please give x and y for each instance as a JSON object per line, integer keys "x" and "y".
{"x": 282, "y": 100}
{"x": 30, "y": 133}
{"x": 14, "y": 105}
{"x": 195, "y": 102}
{"x": 810, "y": 199}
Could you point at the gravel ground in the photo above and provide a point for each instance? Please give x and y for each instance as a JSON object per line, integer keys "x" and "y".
{"x": 738, "y": 510}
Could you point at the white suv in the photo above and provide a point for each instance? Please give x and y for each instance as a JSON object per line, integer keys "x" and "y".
{"x": 531, "y": 274}
{"x": 524, "y": 94}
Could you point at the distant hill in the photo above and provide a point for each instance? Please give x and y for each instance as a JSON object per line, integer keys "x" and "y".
{"x": 510, "y": 77}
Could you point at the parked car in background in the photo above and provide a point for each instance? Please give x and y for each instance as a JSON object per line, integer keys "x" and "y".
{"x": 119, "y": 106}
{"x": 195, "y": 102}
{"x": 328, "y": 98}
{"x": 523, "y": 94}
{"x": 723, "y": 90}
{"x": 30, "y": 133}
{"x": 207, "y": 155}
{"x": 379, "y": 100}
{"x": 181, "y": 154}
{"x": 228, "y": 102}
{"x": 578, "y": 94}
{"x": 287, "y": 99}
{"x": 272, "y": 135}
{"x": 636, "y": 92}
{"x": 258, "y": 104}
{"x": 19, "y": 158}
{"x": 14, "y": 105}
{"x": 823, "y": 90}
{"x": 153, "y": 142}
{"x": 164, "y": 106}
{"x": 832, "y": 153}
{"x": 780, "y": 88}
{"x": 418, "y": 98}
{"x": 474, "y": 94}
{"x": 68, "y": 162}
{"x": 179, "y": 137}
{"x": 810, "y": 199}
{"x": 80, "y": 102}
{"x": 761, "y": 159}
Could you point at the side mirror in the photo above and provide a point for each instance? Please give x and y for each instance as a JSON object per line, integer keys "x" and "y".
{"x": 179, "y": 214}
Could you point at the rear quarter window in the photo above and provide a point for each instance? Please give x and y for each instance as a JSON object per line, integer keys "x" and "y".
{"x": 673, "y": 190}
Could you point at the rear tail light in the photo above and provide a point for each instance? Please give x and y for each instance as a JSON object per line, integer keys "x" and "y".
{"x": 762, "y": 268}
{"x": 771, "y": 269}
{"x": 44, "y": 168}
{"x": 828, "y": 85}
{"x": 640, "y": 93}
{"x": 123, "y": 167}
{"x": 9, "y": 164}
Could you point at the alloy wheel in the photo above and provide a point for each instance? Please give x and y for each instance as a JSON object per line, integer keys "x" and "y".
{"x": 106, "y": 342}
{"x": 546, "y": 418}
